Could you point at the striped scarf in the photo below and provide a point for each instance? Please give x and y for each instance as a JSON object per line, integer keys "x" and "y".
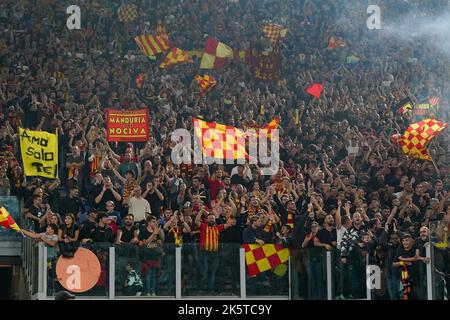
{"x": 290, "y": 219}
{"x": 177, "y": 236}
{"x": 95, "y": 165}
{"x": 268, "y": 226}
{"x": 406, "y": 281}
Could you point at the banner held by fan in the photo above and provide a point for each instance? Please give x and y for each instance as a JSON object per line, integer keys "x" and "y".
{"x": 127, "y": 125}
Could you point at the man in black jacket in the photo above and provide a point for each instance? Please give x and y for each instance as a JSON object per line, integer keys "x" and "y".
{"x": 102, "y": 232}
{"x": 253, "y": 233}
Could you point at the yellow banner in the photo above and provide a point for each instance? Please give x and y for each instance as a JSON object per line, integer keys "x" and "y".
{"x": 39, "y": 153}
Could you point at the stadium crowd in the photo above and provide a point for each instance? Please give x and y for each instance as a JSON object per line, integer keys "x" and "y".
{"x": 343, "y": 186}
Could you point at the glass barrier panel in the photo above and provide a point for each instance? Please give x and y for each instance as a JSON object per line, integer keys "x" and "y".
{"x": 308, "y": 275}
{"x": 128, "y": 277}
{"x": 166, "y": 277}
{"x": 348, "y": 276}
{"x": 34, "y": 267}
{"x": 440, "y": 260}
{"x": 144, "y": 271}
{"x": 210, "y": 273}
{"x": 101, "y": 288}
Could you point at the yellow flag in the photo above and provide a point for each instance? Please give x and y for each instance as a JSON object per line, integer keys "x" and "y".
{"x": 261, "y": 109}
{"x": 297, "y": 117}
{"x": 39, "y": 153}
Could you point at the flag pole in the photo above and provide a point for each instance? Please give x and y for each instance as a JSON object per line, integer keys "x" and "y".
{"x": 434, "y": 163}
{"x": 23, "y": 234}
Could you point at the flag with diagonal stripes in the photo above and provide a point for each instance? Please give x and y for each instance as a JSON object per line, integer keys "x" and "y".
{"x": 151, "y": 45}
{"x": 434, "y": 101}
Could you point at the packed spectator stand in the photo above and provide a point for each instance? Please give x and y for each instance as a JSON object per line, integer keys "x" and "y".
{"x": 343, "y": 186}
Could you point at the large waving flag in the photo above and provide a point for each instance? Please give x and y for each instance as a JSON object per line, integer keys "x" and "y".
{"x": 175, "y": 56}
{"x": 215, "y": 54}
{"x": 220, "y": 141}
{"x": 7, "y": 221}
{"x": 260, "y": 258}
{"x": 152, "y": 45}
{"x": 417, "y": 136}
{"x": 205, "y": 83}
{"x": 274, "y": 32}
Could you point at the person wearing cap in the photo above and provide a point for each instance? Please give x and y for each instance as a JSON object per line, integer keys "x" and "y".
{"x": 89, "y": 225}
{"x": 64, "y": 295}
{"x": 407, "y": 258}
{"x": 102, "y": 231}
{"x": 253, "y": 233}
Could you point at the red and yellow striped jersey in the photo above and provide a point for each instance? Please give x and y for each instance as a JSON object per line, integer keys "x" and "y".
{"x": 209, "y": 237}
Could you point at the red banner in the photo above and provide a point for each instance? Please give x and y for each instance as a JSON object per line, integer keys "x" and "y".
{"x": 127, "y": 125}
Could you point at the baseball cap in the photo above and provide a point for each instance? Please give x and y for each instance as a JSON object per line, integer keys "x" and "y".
{"x": 64, "y": 295}
{"x": 406, "y": 235}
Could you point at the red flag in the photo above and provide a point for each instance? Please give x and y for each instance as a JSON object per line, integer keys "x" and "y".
{"x": 7, "y": 221}
{"x": 315, "y": 90}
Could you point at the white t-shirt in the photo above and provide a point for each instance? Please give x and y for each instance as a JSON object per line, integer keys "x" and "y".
{"x": 340, "y": 233}
{"x": 138, "y": 207}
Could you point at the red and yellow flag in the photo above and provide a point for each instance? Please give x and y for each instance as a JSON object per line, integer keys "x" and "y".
{"x": 274, "y": 32}
{"x": 215, "y": 54}
{"x": 220, "y": 141}
{"x": 266, "y": 130}
{"x": 205, "y": 83}
{"x": 418, "y": 135}
{"x": 151, "y": 45}
{"x": 175, "y": 56}
{"x": 260, "y": 258}
{"x": 334, "y": 42}
{"x": 7, "y": 221}
{"x": 127, "y": 12}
